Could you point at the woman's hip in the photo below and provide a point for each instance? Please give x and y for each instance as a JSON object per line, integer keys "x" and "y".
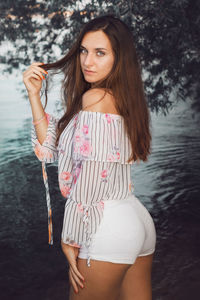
{"x": 122, "y": 232}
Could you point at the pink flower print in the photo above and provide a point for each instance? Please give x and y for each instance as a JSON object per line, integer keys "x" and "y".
{"x": 48, "y": 118}
{"x": 65, "y": 190}
{"x": 85, "y": 148}
{"x": 80, "y": 207}
{"x": 118, "y": 155}
{"x": 110, "y": 157}
{"x": 108, "y": 117}
{"x": 78, "y": 136}
{"x": 38, "y": 151}
{"x": 85, "y": 129}
{"x": 65, "y": 176}
{"x": 104, "y": 173}
{"x": 74, "y": 179}
{"x": 42, "y": 153}
{"x": 77, "y": 171}
{"x": 101, "y": 205}
{"x": 48, "y": 139}
{"x": 76, "y": 174}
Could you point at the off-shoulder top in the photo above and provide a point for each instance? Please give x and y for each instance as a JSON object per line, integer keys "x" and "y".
{"x": 92, "y": 156}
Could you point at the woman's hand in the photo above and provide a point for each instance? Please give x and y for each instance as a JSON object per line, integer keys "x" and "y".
{"x": 71, "y": 254}
{"x": 32, "y": 78}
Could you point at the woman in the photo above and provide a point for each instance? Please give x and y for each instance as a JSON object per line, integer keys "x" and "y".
{"x": 108, "y": 236}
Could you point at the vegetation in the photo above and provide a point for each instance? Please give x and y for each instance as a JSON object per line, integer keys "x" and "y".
{"x": 166, "y": 36}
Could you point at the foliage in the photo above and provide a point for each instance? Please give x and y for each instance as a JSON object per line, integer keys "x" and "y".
{"x": 166, "y": 37}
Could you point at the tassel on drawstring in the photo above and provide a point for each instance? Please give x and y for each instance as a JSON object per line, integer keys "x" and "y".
{"x": 88, "y": 261}
{"x": 50, "y": 226}
{"x": 86, "y": 214}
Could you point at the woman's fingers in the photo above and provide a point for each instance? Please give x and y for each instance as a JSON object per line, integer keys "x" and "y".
{"x": 36, "y": 69}
{"x": 39, "y": 69}
{"x": 36, "y": 76}
{"x": 29, "y": 74}
{"x": 71, "y": 254}
{"x": 37, "y": 63}
{"x": 33, "y": 76}
{"x": 73, "y": 282}
{"x": 75, "y": 275}
{"x": 76, "y": 271}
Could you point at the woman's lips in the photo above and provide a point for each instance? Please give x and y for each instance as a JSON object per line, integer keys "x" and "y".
{"x": 89, "y": 72}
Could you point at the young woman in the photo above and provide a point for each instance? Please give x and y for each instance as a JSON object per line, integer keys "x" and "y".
{"x": 108, "y": 236}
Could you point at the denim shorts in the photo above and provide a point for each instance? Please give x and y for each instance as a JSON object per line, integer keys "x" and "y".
{"x": 126, "y": 231}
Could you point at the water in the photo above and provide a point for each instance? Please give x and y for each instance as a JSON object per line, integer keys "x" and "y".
{"x": 168, "y": 185}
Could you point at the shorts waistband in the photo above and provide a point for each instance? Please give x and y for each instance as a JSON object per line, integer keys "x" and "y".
{"x": 130, "y": 197}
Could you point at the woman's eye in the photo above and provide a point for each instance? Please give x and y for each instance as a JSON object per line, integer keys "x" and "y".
{"x": 102, "y": 53}
{"x": 81, "y": 50}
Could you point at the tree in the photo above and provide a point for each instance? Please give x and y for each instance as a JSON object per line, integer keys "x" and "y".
{"x": 166, "y": 36}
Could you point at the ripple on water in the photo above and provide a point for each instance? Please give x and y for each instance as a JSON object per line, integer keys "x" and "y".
{"x": 168, "y": 185}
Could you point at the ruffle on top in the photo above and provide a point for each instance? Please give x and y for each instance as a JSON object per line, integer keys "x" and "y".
{"x": 89, "y": 136}
{"x": 101, "y": 137}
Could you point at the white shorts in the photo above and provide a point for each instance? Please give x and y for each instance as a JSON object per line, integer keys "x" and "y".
{"x": 126, "y": 231}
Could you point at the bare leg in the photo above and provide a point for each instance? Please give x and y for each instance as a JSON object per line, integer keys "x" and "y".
{"x": 136, "y": 284}
{"x": 102, "y": 280}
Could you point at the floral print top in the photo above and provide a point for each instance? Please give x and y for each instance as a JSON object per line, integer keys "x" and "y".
{"x": 92, "y": 156}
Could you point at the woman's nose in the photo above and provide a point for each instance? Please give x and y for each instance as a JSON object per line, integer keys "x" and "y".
{"x": 88, "y": 59}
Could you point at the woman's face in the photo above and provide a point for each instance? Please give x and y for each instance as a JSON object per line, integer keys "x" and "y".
{"x": 96, "y": 55}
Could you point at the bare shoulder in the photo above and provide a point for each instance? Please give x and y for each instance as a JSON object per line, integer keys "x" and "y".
{"x": 97, "y": 99}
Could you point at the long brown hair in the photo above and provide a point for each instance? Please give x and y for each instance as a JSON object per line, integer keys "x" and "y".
{"x": 124, "y": 81}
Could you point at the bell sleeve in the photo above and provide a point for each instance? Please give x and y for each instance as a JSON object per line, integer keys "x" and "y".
{"x": 47, "y": 151}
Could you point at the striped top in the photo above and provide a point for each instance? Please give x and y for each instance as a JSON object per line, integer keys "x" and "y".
{"x": 92, "y": 156}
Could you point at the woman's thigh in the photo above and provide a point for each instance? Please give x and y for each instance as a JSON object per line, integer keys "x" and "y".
{"x": 136, "y": 284}
{"x": 102, "y": 280}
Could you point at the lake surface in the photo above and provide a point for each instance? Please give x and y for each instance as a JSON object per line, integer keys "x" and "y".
{"x": 168, "y": 185}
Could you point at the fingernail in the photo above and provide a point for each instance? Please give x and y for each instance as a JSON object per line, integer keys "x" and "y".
{"x": 43, "y": 77}
{"x": 82, "y": 286}
{"x": 76, "y": 292}
{"x": 46, "y": 72}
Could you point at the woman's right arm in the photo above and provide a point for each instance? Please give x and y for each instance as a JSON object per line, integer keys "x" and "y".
{"x": 44, "y": 130}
